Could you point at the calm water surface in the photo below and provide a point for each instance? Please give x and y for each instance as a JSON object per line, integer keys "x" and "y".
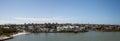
{"x": 87, "y": 36}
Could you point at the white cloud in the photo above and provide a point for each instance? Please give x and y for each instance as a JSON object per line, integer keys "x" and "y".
{"x": 45, "y": 19}
{"x": 20, "y": 20}
{"x": 58, "y": 19}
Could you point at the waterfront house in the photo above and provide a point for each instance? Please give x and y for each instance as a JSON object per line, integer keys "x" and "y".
{"x": 6, "y": 27}
{"x": 68, "y": 28}
{"x": 60, "y": 28}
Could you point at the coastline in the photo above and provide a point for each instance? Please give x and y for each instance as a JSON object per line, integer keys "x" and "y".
{"x": 20, "y": 33}
{"x": 12, "y": 36}
{"x": 5, "y": 38}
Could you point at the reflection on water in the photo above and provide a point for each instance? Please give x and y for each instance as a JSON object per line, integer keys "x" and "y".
{"x": 87, "y": 36}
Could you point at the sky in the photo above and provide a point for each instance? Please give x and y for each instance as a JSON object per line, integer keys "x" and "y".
{"x": 60, "y": 11}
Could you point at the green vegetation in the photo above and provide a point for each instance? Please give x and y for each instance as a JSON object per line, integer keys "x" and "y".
{"x": 7, "y": 31}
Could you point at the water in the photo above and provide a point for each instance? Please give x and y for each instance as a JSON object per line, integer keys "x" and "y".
{"x": 87, "y": 36}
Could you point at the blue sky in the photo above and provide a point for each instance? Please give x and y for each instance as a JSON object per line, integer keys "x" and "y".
{"x": 61, "y": 11}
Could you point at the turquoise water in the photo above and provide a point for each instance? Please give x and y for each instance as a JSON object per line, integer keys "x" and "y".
{"x": 87, "y": 36}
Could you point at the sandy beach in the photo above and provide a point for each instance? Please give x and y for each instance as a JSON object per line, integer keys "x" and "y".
{"x": 20, "y": 33}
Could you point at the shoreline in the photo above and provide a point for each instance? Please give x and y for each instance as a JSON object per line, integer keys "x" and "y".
{"x": 20, "y": 33}
{"x": 2, "y": 38}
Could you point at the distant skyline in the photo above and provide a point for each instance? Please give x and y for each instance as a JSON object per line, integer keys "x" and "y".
{"x": 60, "y": 11}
